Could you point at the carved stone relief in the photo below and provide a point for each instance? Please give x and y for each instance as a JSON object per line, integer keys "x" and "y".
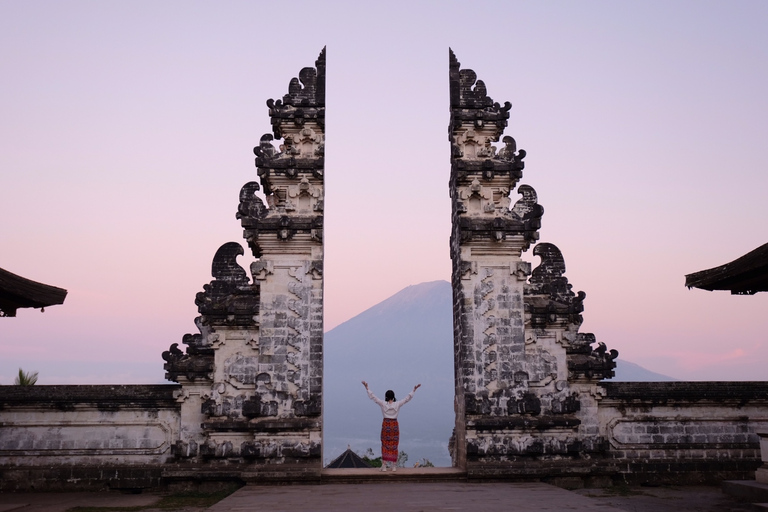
{"x": 519, "y": 355}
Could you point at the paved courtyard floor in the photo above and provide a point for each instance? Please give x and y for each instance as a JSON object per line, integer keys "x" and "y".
{"x": 409, "y": 497}
{"x": 405, "y": 497}
{"x": 667, "y": 499}
{"x": 62, "y": 501}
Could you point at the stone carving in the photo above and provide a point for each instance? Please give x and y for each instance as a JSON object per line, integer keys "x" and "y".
{"x": 548, "y": 280}
{"x": 265, "y": 151}
{"x": 509, "y": 151}
{"x": 229, "y": 298}
{"x": 551, "y": 303}
{"x": 257, "y": 362}
{"x": 305, "y": 101}
{"x": 192, "y": 365}
{"x": 527, "y": 207}
{"x": 522, "y": 368}
{"x": 251, "y": 206}
{"x": 586, "y": 362}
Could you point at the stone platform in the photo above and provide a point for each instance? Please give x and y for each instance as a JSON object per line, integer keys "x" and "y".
{"x": 393, "y": 493}
{"x": 371, "y": 475}
{"x": 409, "y": 497}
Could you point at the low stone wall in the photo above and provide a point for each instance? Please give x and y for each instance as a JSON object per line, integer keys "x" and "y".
{"x": 86, "y": 436}
{"x": 96, "y": 437}
{"x": 687, "y": 432}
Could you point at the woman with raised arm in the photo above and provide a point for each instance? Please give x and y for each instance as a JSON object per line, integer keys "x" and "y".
{"x": 390, "y": 430}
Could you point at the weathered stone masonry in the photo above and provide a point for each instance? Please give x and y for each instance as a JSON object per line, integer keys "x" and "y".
{"x": 59, "y": 437}
{"x": 683, "y": 431}
{"x": 524, "y": 374}
{"x": 247, "y": 401}
{"x": 253, "y": 375}
{"x": 529, "y": 401}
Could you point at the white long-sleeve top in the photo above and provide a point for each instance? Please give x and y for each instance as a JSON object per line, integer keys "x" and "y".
{"x": 390, "y": 409}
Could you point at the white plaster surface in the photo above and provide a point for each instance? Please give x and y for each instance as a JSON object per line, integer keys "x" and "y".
{"x": 87, "y": 435}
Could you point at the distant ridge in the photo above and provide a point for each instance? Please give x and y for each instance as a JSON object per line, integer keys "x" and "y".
{"x": 631, "y": 372}
{"x": 402, "y": 341}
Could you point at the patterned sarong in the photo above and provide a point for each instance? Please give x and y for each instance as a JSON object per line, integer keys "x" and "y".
{"x": 390, "y": 438}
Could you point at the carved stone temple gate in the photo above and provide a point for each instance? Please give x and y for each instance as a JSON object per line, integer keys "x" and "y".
{"x": 252, "y": 379}
{"x": 527, "y": 382}
{"x": 247, "y": 405}
{"x": 526, "y": 378}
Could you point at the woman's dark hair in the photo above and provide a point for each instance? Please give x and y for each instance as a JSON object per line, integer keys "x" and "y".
{"x": 389, "y": 395}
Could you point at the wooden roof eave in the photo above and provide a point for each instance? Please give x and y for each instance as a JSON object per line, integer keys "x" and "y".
{"x": 744, "y": 276}
{"x": 19, "y": 292}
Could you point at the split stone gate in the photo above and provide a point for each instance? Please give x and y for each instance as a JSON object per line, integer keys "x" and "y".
{"x": 525, "y": 377}
{"x": 530, "y": 399}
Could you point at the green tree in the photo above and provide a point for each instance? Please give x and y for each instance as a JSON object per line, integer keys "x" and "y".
{"x": 25, "y": 378}
{"x": 368, "y": 457}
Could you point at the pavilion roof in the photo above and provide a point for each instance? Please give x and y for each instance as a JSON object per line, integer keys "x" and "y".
{"x": 348, "y": 459}
{"x": 743, "y": 276}
{"x": 19, "y": 292}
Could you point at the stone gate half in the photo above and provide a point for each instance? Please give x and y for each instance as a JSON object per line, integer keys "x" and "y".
{"x": 525, "y": 376}
{"x": 252, "y": 377}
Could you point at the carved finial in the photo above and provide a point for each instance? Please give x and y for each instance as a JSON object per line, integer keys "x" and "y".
{"x": 229, "y": 299}
{"x": 265, "y": 150}
{"x": 527, "y": 207}
{"x": 552, "y": 263}
{"x": 463, "y": 94}
{"x": 320, "y": 65}
{"x": 251, "y": 206}
{"x": 172, "y": 353}
{"x": 470, "y": 103}
{"x": 453, "y": 78}
{"x": 308, "y": 90}
{"x": 225, "y": 267}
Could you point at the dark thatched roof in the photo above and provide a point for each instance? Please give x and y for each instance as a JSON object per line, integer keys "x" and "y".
{"x": 744, "y": 276}
{"x": 18, "y": 292}
{"x": 348, "y": 459}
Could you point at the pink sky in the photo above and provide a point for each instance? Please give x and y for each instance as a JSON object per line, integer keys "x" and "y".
{"x": 127, "y": 131}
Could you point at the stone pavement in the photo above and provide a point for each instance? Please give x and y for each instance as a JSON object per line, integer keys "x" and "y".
{"x": 667, "y": 499}
{"x": 62, "y": 501}
{"x": 409, "y": 497}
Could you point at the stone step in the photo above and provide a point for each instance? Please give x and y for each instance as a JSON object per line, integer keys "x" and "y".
{"x": 287, "y": 474}
{"x": 375, "y": 475}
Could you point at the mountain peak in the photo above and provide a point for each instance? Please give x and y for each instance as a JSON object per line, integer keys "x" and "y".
{"x": 415, "y": 299}
{"x": 417, "y": 293}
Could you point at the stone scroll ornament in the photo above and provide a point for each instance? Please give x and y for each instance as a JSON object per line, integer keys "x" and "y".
{"x": 550, "y": 302}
